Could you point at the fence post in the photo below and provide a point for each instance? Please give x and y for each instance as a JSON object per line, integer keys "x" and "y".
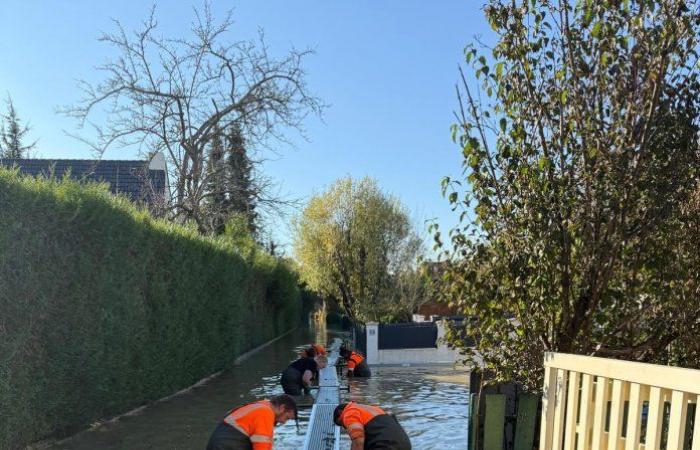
{"x": 494, "y": 421}
{"x": 440, "y": 342}
{"x": 372, "y": 330}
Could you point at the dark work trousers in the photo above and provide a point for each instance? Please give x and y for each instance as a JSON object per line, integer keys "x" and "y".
{"x": 362, "y": 370}
{"x": 384, "y": 432}
{"x": 291, "y": 381}
{"x": 225, "y": 437}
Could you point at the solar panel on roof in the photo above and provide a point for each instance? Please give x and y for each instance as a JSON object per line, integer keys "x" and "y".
{"x": 129, "y": 177}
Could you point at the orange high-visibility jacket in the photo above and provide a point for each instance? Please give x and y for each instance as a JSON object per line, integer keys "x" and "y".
{"x": 255, "y": 420}
{"x": 319, "y": 349}
{"x": 356, "y": 416}
{"x": 354, "y": 360}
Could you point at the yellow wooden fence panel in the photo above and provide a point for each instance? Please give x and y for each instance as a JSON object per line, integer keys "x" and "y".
{"x": 586, "y": 419}
{"x": 676, "y": 423}
{"x": 654, "y": 419}
{"x": 665, "y": 377}
{"x": 548, "y": 403}
{"x": 559, "y": 409}
{"x": 602, "y": 393}
{"x": 634, "y": 416}
{"x": 616, "y": 410}
{"x": 584, "y": 394}
{"x": 572, "y": 403}
{"x": 696, "y": 433}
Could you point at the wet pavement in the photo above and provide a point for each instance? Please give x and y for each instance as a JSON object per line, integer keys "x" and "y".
{"x": 433, "y": 412}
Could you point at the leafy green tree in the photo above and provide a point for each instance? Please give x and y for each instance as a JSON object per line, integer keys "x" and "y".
{"x": 578, "y": 216}
{"x": 348, "y": 243}
{"x": 13, "y": 134}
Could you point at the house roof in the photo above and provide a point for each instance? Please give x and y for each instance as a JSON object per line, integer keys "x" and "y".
{"x": 132, "y": 178}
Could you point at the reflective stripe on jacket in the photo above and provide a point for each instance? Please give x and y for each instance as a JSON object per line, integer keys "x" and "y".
{"x": 255, "y": 420}
{"x": 356, "y": 416}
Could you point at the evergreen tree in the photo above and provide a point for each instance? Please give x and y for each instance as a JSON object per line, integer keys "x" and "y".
{"x": 12, "y": 134}
{"x": 216, "y": 184}
{"x": 241, "y": 189}
{"x": 230, "y": 188}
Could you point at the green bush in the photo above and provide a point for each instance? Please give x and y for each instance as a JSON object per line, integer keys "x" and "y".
{"x": 103, "y": 308}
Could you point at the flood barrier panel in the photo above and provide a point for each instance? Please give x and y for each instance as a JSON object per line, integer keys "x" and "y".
{"x": 322, "y": 433}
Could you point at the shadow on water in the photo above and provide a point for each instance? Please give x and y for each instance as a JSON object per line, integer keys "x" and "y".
{"x": 186, "y": 421}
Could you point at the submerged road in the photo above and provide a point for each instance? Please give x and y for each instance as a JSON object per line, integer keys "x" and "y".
{"x": 432, "y": 407}
{"x": 186, "y": 421}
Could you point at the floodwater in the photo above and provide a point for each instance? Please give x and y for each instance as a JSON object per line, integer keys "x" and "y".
{"x": 434, "y": 413}
{"x": 185, "y": 422}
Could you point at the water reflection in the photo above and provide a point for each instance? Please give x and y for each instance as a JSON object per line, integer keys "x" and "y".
{"x": 186, "y": 421}
{"x": 434, "y": 413}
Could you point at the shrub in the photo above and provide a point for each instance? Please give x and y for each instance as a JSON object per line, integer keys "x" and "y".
{"x": 104, "y": 308}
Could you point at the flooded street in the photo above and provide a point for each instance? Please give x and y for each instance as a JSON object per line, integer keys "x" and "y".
{"x": 433, "y": 412}
{"x": 186, "y": 421}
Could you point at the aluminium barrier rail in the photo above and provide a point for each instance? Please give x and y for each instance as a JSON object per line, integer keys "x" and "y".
{"x": 322, "y": 433}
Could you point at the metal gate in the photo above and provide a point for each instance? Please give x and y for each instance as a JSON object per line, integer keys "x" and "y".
{"x": 360, "y": 338}
{"x": 407, "y": 335}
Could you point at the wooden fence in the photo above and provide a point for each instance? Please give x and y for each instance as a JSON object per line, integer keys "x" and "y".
{"x": 502, "y": 421}
{"x": 595, "y": 403}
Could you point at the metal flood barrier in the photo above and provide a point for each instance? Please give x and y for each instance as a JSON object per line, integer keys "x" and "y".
{"x": 322, "y": 433}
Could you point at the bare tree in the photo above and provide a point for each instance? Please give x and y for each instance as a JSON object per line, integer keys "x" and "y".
{"x": 174, "y": 94}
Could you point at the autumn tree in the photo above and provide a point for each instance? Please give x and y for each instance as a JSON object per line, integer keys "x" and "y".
{"x": 349, "y": 242}
{"x": 578, "y": 231}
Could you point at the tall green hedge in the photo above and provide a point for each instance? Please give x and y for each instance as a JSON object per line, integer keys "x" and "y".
{"x": 103, "y": 308}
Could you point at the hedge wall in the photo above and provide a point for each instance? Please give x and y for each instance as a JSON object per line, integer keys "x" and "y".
{"x": 103, "y": 308}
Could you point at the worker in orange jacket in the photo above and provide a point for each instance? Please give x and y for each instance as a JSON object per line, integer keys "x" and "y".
{"x": 250, "y": 426}
{"x": 357, "y": 365}
{"x": 370, "y": 428}
{"x": 313, "y": 350}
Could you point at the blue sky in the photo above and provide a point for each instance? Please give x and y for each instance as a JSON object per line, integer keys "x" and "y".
{"x": 387, "y": 69}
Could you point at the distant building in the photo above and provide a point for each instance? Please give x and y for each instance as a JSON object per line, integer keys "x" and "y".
{"x": 433, "y": 308}
{"x": 142, "y": 181}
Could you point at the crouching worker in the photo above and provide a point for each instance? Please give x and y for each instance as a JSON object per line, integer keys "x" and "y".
{"x": 312, "y": 351}
{"x": 357, "y": 365}
{"x": 370, "y": 427}
{"x": 296, "y": 379}
{"x": 251, "y": 426}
